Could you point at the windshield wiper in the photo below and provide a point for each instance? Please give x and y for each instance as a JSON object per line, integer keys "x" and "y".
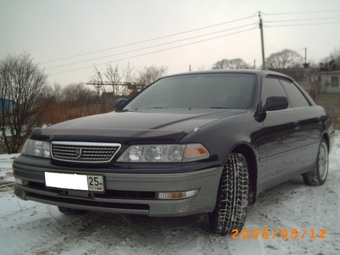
{"x": 219, "y": 107}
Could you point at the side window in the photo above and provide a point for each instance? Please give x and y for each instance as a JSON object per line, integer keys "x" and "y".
{"x": 296, "y": 98}
{"x": 271, "y": 87}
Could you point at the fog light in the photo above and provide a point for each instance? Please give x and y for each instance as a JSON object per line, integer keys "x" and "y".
{"x": 19, "y": 181}
{"x": 177, "y": 195}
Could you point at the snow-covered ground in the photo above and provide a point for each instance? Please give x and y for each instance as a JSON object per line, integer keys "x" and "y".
{"x": 31, "y": 228}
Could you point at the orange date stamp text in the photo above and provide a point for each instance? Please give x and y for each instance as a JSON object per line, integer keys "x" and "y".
{"x": 284, "y": 233}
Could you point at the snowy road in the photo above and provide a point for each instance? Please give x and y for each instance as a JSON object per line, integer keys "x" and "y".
{"x": 290, "y": 219}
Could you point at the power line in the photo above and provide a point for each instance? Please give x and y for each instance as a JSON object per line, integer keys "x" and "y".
{"x": 153, "y": 46}
{"x": 292, "y": 20}
{"x": 149, "y": 40}
{"x": 148, "y": 53}
{"x": 294, "y": 13}
{"x": 309, "y": 24}
{"x": 272, "y": 24}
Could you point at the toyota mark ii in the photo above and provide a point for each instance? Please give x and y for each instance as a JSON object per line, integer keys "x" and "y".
{"x": 193, "y": 143}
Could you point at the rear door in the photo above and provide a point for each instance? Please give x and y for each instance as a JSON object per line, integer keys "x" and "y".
{"x": 310, "y": 123}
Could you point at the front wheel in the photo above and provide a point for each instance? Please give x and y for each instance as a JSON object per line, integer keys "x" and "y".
{"x": 318, "y": 176}
{"x": 232, "y": 198}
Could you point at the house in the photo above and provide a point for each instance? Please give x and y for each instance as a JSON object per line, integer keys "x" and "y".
{"x": 330, "y": 82}
{"x": 329, "y": 94}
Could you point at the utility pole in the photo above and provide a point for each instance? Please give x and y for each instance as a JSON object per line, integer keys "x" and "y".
{"x": 305, "y": 65}
{"x": 262, "y": 43}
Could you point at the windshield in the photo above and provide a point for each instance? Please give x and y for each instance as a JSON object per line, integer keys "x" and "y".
{"x": 228, "y": 90}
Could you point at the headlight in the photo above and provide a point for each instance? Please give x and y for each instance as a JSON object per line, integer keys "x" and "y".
{"x": 36, "y": 148}
{"x": 164, "y": 153}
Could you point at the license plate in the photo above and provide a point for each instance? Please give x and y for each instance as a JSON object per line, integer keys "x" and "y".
{"x": 75, "y": 181}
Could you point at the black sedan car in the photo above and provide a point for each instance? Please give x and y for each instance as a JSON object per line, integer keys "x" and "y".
{"x": 192, "y": 143}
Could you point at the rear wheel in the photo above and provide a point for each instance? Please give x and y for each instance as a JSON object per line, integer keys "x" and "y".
{"x": 71, "y": 211}
{"x": 318, "y": 176}
{"x": 232, "y": 198}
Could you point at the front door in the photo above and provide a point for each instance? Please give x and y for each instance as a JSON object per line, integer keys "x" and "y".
{"x": 281, "y": 136}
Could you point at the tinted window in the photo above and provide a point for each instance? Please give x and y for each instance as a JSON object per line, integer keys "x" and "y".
{"x": 197, "y": 91}
{"x": 271, "y": 87}
{"x": 296, "y": 98}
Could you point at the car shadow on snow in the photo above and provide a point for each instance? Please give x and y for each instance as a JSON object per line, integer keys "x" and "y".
{"x": 156, "y": 235}
{"x": 162, "y": 226}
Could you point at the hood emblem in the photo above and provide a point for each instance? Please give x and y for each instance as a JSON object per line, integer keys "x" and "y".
{"x": 78, "y": 153}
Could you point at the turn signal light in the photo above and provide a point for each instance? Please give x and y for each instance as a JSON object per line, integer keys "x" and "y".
{"x": 178, "y": 195}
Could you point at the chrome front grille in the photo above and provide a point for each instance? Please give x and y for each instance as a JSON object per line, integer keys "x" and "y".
{"x": 84, "y": 152}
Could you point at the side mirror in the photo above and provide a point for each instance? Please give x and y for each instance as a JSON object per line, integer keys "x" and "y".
{"x": 276, "y": 103}
{"x": 119, "y": 103}
{"x": 272, "y": 104}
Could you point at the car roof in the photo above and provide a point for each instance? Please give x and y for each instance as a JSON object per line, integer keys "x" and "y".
{"x": 245, "y": 71}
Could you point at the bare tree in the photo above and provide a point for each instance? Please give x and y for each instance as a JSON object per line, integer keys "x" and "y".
{"x": 284, "y": 59}
{"x": 78, "y": 93}
{"x": 72, "y": 101}
{"x": 150, "y": 74}
{"x": 127, "y": 73}
{"x": 22, "y": 85}
{"x": 128, "y": 80}
{"x": 97, "y": 81}
{"x": 333, "y": 55}
{"x": 113, "y": 77}
{"x": 236, "y": 63}
{"x": 57, "y": 91}
{"x": 331, "y": 62}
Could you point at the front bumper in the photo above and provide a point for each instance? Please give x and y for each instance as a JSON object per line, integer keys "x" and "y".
{"x": 128, "y": 193}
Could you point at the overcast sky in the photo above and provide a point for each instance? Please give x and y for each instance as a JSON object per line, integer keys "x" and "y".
{"x": 67, "y": 37}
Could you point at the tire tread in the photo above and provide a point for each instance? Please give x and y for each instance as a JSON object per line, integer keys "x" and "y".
{"x": 230, "y": 212}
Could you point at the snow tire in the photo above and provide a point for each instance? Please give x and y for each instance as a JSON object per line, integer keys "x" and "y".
{"x": 232, "y": 198}
{"x": 318, "y": 176}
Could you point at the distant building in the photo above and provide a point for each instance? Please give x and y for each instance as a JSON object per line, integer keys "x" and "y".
{"x": 330, "y": 82}
{"x": 329, "y": 94}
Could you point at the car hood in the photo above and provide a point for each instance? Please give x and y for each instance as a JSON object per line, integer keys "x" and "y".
{"x": 154, "y": 124}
